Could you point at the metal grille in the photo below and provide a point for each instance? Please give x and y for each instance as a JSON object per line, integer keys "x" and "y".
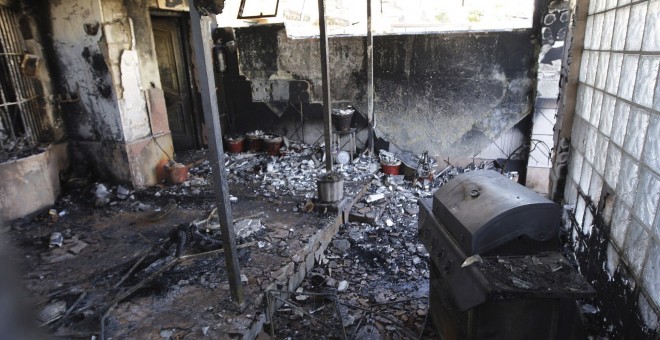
{"x": 22, "y": 122}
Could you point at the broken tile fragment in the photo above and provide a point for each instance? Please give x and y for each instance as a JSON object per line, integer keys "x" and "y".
{"x": 375, "y": 197}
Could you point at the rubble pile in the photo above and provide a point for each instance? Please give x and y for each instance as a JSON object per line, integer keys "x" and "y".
{"x": 376, "y": 271}
{"x": 373, "y": 265}
{"x": 293, "y": 174}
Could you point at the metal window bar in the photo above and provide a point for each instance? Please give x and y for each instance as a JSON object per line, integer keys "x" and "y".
{"x": 22, "y": 120}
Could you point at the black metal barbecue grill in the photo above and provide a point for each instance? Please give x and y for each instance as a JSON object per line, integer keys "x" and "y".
{"x": 496, "y": 270}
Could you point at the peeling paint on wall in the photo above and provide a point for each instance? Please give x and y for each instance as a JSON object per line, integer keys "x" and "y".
{"x": 301, "y": 58}
{"x": 133, "y": 106}
{"x": 109, "y": 68}
{"x": 102, "y": 54}
{"x": 84, "y": 68}
{"x": 117, "y": 37}
{"x": 144, "y": 42}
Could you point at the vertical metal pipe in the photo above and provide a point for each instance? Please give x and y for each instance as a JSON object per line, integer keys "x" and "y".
{"x": 29, "y": 135}
{"x": 7, "y": 47}
{"x": 201, "y": 36}
{"x": 370, "y": 79}
{"x": 34, "y": 112}
{"x": 327, "y": 122}
{"x": 6, "y": 120}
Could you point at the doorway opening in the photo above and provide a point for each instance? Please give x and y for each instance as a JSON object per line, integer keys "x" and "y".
{"x": 171, "y": 38}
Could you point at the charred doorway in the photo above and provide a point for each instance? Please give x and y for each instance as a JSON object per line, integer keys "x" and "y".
{"x": 174, "y": 65}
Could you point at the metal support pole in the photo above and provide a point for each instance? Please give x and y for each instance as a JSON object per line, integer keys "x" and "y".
{"x": 327, "y": 122}
{"x": 201, "y": 35}
{"x": 370, "y": 79}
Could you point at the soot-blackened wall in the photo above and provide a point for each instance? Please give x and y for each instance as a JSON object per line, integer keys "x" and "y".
{"x": 449, "y": 93}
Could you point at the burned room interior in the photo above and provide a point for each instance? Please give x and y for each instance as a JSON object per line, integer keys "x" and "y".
{"x": 330, "y": 169}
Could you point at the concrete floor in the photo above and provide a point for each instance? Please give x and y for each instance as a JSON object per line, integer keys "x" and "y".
{"x": 373, "y": 270}
{"x": 101, "y": 245}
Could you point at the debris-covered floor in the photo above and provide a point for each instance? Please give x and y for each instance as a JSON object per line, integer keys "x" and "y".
{"x": 104, "y": 260}
{"x": 117, "y": 263}
{"x": 374, "y": 275}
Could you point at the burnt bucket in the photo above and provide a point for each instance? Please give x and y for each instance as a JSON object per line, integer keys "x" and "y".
{"x": 272, "y": 144}
{"x": 341, "y": 119}
{"x": 330, "y": 188}
{"x": 254, "y": 141}
{"x": 235, "y": 144}
{"x": 409, "y": 172}
{"x": 390, "y": 168}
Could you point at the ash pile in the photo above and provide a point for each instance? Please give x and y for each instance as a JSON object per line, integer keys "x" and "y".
{"x": 290, "y": 175}
{"x": 189, "y": 255}
{"x": 372, "y": 281}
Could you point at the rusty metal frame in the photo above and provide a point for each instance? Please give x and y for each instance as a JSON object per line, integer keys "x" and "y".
{"x": 241, "y": 16}
{"x": 21, "y": 115}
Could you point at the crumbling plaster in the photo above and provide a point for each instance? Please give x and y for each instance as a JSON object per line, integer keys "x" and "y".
{"x": 133, "y": 106}
{"x": 120, "y": 41}
{"x": 296, "y": 58}
{"x": 137, "y": 10}
{"x": 107, "y": 59}
{"x": 453, "y": 93}
{"x": 85, "y": 73}
{"x": 121, "y": 63}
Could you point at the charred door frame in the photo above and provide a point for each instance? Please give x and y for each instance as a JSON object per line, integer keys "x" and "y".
{"x": 183, "y": 21}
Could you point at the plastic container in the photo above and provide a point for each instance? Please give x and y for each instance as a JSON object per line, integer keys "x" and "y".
{"x": 272, "y": 144}
{"x": 177, "y": 173}
{"x": 391, "y": 168}
{"x": 235, "y": 144}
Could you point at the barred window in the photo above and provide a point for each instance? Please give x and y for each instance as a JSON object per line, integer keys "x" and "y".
{"x": 23, "y": 125}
